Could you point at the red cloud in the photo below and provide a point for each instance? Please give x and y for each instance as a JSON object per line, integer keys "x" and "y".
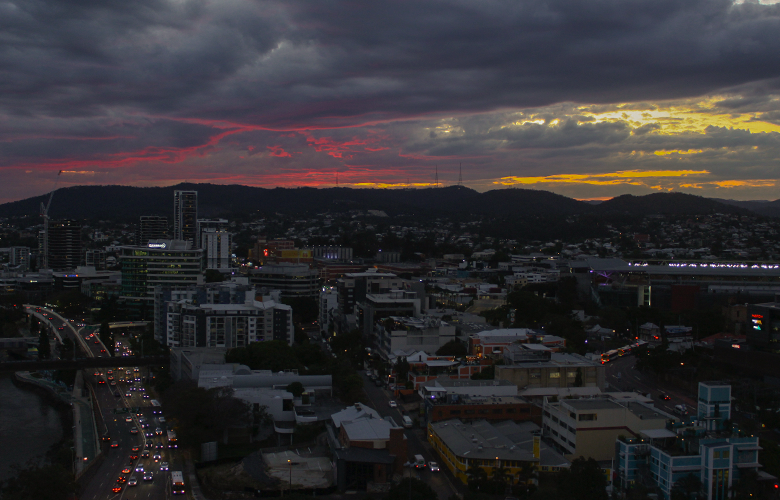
{"x": 279, "y": 152}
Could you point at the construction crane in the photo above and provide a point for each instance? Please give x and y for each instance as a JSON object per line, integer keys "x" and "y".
{"x": 45, "y": 215}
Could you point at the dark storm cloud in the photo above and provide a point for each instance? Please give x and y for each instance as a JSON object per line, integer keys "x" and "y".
{"x": 300, "y": 63}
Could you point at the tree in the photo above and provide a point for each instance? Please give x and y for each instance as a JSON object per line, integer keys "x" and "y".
{"x": 48, "y": 482}
{"x": 584, "y": 480}
{"x": 452, "y": 348}
{"x": 67, "y": 349}
{"x": 44, "y": 348}
{"x": 477, "y": 477}
{"x": 401, "y": 368}
{"x": 686, "y": 488}
{"x": 501, "y": 477}
{"x": 411, "y": 489}
{"x": 214, "y": 276}
{"x": 296, "y": 389}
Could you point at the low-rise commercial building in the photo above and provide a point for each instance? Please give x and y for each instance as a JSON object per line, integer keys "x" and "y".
{"x": 562, "y": 370}
{"x": 589, "y": 427}
{"x": 367, "y": 449}
{"x": 514, "y": 447}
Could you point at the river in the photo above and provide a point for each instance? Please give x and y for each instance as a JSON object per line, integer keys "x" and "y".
{"x": 28, "y": 426}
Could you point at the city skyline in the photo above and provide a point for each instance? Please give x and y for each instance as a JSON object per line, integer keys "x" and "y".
{"x": 587, "y": 100}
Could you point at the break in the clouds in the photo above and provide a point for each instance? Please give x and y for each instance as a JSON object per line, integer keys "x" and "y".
{"x": 589, "y": 99}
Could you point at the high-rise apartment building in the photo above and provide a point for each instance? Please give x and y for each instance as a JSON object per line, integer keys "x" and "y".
{"x": 152, "y": 227}
{"x": 64, "y": 244}
{"x": 185, "y": 216}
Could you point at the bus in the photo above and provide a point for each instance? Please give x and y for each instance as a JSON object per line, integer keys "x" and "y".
{"x": 609, "y": 356}
{"x": 172, "y": 439}
{"x": 625, "y": 350}
{"x": 177, "y": 482}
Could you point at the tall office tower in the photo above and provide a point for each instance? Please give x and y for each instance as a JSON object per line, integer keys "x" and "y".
{"x": 152, "y": 227}
{"x": 185, "y": 216}
{"x": 64, "y": 244}
{"x": 96, "y": 259}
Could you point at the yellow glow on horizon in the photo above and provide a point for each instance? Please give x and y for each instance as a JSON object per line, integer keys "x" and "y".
{"x": 390, "y": 185}
{"x": 663, "y": 152}
{"x": 603, "y": 179}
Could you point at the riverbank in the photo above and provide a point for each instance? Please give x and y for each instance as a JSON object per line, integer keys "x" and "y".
{"x": 35, "y": 426}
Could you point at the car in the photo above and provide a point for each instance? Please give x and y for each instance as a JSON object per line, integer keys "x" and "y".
{"x": 157, "y": 457}
{"x": 146, "y": 396}
{"x": 148, "y": 445}
{"x": 128, "y": 394}
{"x": 433, "y": 467}
{"x": 115, "y": 445}
{"x": 132, "y": 481}
{"x": 131, "y": 388}
{"x": 145, "y": 454}
{"x": 158, "y": 431}
{"x": 135, "y": 448}
{"x": 664, "y": 396}
{"x": 133, "y": 458}
{"x": 139, "y": 468}
{"x": 148, "y": 476}
{"x": 116, "y": 488}
{"x": 163, "y": 465}
{"x": 110, "y": 377}
{"x": 121, "y": 479}
{"x": 149, "y": 434}
{"x": 113, "y": 384}
{"x": 103, "y": 351}
{"x": 134, "y": 431}
{"x": 96, "y": 342}
{"x": 101, "y": 381}
{"x": 128, "y": 419}
{"x": 159, "y": 446}
{"x": 393, "y": 404}
{"x": 145, "y": 425}
{"x": 127, "y": 470}
{"x": 97, "y": 374}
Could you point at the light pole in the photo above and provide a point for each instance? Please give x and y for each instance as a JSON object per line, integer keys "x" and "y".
{"x": 289, "y": 463}
{"x": 73, "y": 461}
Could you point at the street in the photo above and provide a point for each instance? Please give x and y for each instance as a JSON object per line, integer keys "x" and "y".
{"x": 443, "y": 483}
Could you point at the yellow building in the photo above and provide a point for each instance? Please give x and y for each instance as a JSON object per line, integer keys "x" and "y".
{"x": 515, "y": 447}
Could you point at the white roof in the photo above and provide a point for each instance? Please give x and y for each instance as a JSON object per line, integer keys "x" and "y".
{"x": 354, "y": 413}
{"x": 657, "y": 433}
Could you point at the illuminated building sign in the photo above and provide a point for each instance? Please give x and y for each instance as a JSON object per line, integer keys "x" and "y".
{"x": 157, "y": 245}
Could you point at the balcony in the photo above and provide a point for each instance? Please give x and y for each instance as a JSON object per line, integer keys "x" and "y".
{"x": 305, "y": 416}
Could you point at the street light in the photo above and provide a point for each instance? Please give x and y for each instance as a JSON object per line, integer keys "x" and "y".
{"x": 289, "y": 463}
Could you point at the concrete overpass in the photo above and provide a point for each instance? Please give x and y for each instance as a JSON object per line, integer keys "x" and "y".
{"x": 80, "y": 363}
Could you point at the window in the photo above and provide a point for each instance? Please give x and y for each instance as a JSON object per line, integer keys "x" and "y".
{"x": 454, "y": 412}
{"x": 716, "y": 454}
{"x": 497, "y": 411}
{"x": 555, "y": 374}
{"x": 571, "y": 374}
{"x": 469, "y": 412}
{"x": 585, "y": 417}
{"x": 725, "y": 453}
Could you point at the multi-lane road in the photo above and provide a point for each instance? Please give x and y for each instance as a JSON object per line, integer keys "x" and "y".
{"x": 131, "y": 418}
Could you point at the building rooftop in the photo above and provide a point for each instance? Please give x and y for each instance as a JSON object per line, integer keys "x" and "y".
{"x": 505, "y": 441}
{"x": 592, "y": 404}
{"x": 449, "y": 382}
{"x": 353, "y": 413}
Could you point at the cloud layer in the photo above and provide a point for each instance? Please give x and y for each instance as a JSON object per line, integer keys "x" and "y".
{"x": 577, "y": 97}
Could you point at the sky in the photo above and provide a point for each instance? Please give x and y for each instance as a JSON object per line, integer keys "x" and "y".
{"x": 586, "y": 98}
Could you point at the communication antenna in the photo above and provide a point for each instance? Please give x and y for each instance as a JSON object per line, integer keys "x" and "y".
{"x": 45, "y": 215}
{"x": 436, "y": 180}
{"x": 460, "y": 174}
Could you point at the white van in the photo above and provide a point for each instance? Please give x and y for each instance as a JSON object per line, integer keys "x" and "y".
{"x": 407, "y": 422}
{"x": 681, "y": 410}
{"x": 419, "y": 462}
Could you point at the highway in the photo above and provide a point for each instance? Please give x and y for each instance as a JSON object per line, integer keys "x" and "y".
{"x": 135, "y": 437}
{"x": 135, "y": 434}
